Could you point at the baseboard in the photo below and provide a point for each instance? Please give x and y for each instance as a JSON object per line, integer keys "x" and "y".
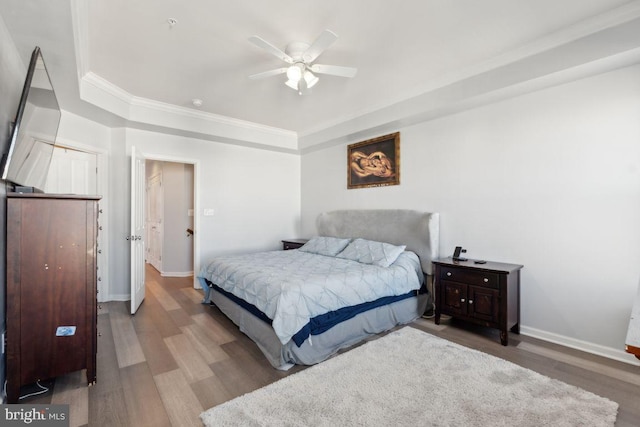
{"x": 600, "y": 350}
{"x": 118, "y": 297}
{"x": 176, "y": 273}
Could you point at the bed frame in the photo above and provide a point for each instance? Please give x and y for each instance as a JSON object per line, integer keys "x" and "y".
{"x": 419, "y": 231}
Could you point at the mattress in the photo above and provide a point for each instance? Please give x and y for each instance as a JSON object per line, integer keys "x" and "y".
{"x": 343, "y": 335}
{"x": 293, "y": 287}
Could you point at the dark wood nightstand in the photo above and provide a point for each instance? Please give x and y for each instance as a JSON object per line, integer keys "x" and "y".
{"x": 293, "y": 243}
{"x": 487, "y": 294}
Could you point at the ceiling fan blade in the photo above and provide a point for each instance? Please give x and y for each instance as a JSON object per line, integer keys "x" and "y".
{"x": 334, "y": 70}
{"x": 263, "y": 44}
{"x": 268, "y": 73}
{"x": 324, "y": 40}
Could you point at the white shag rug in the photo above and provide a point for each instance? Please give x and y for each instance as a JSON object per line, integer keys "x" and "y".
{"x": 412, "y": 378}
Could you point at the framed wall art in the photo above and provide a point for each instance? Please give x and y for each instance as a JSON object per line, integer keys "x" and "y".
{"x": 374, "y": 162}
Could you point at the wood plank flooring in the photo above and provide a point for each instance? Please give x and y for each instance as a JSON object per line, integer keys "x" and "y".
{"x": 176, "y": 357}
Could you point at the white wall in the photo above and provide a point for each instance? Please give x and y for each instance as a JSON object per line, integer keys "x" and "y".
{"x": 12, "y": 74}
{"x": 550, "y": 180}
{"x": 79, "y": 130}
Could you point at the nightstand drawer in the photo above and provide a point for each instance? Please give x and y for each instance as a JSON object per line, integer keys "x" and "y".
{"x": 461, "y": 275}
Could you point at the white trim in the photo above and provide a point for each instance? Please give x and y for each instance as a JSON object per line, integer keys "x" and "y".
{"x": 80, "y": 19}
{"x": 600, "y": 350}
{"x": 612, "y": 18}
{"x": 176, "y": 273}
{"x": 120, "y": 297}
{"x": 104, "y": 94}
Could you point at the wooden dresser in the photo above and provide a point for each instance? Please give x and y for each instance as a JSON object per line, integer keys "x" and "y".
{"x": 51, "y": 287}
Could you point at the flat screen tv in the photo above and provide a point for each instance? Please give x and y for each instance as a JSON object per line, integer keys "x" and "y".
{"x": 26, "y": 163}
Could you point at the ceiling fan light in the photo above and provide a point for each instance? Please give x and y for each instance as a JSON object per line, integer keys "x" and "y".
{"x": 310, "y": 78}
{"x": 294, "y": 72}
{"x": 292, "y": 84}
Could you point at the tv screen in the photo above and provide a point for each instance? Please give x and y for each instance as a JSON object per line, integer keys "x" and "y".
{"x": 26, "y": 164}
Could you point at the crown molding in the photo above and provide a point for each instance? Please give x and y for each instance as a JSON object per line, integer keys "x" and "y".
{"x": 576, "y": 60}
{"x": 102, "y": 93}
{"x": 80, "y": 20}
{"x": 441, "y": 95}
{"x": 613, "y": 18}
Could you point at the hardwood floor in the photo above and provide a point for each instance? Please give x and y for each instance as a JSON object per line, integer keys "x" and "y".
{"x": 177, "y": 357}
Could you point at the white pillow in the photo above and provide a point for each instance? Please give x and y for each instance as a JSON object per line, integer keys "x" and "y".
{"x": 372, "y": 252}
{"x": 329, "y": 246}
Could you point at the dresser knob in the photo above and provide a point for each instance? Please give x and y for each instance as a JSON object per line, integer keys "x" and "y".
{"x": 486, "y": 280}
{"x": 461, "y": 299}
{"x": 470, "y": 301}
{"x": 448, "y": 273}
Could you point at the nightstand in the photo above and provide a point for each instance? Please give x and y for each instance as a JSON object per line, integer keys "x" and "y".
{"x": 487, "y": 294}
{"x": 293, "y": 243}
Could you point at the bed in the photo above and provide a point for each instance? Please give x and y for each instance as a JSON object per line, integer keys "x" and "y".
{"x": 365, "y": 272}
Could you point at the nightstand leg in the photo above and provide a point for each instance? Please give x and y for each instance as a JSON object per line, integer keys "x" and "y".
{"x": 515, "y": 328}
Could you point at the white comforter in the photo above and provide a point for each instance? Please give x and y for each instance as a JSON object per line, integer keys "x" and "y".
{"x": 291, "y": 287}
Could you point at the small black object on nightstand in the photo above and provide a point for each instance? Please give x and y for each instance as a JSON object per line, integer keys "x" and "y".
{"x": 456, "y": 254}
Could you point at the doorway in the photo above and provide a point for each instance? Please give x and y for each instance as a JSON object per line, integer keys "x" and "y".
{"x": 169, "y": 219}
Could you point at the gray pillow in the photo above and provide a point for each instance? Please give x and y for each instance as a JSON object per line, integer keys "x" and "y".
{"x": 329, "y": 246}
{"x": 372, "y": 252}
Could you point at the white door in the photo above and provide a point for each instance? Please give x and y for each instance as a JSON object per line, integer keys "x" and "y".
{"x": 155, "y": 222}
{"x": 72, "y": 171}
{"x": 136, "y": 237}
{"x": 76, "y": 172}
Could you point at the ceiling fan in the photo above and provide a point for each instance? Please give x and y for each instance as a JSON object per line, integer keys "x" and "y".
{"x": 300, "y": 57}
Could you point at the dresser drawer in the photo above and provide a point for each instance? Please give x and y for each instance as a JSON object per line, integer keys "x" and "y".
{"x": 461, "y": 275}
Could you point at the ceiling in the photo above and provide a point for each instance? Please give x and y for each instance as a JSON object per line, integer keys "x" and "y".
{"x": 402, "y": 50}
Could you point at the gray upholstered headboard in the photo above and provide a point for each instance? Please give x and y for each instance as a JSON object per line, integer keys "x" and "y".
{"x": 417, "y": 230}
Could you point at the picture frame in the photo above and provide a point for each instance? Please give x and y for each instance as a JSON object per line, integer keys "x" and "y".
{"x": 374, "y": 162}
